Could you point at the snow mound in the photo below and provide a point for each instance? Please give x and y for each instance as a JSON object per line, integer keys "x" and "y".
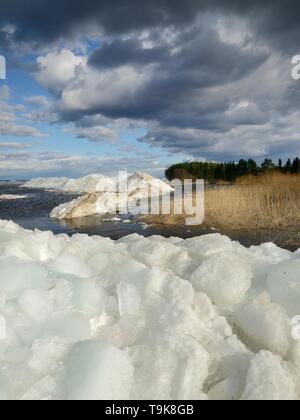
{"x": 145, "y": 318}
{"x": 89, "y": 184}
{"x": 86, "y": 205}
{"x": 46, "y": 183}
{"x": 107, "y": 195}
{"x": 144, "y": 181}
{"x": 98, "y": 183}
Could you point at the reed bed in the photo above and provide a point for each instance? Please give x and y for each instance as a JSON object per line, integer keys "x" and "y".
{"x": 269, "y": 202}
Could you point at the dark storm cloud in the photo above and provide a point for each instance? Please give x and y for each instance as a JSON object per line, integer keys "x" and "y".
{"x": 201, "y": 93}
{"x": 41, "y": 21}
{"x": 4, "y": 40}
{"x": 129, "y": 51}
{"x": 176, "y": 92}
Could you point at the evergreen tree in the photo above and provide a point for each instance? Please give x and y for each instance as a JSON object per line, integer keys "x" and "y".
{"x": 267, "y": 165}
{"x": 229, "y": 171}
{"x": 295, "y": 169}
{"x": 288, "y": 166}
{"x": 252, "y": 167}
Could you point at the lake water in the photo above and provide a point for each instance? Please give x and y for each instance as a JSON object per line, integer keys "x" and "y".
{"x": 33, "y": 212}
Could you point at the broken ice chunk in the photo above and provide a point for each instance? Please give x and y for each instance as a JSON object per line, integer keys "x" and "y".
{"x": 129, "y": 299}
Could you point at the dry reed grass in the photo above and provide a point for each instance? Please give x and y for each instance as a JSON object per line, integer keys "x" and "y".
{"x": 269, "y": 202}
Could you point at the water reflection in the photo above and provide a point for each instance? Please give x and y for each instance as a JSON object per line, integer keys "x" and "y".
{"x": 89, "y": 222}
{"x": 100, "y": 225}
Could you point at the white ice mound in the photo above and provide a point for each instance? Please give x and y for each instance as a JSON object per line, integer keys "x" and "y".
{"x": 89, "y": 184}
{"x": 98, "y": 183}
{"x": 143, "y": 318}
{"x": 46, "y": 183}
{"x": 144, "y": 181}
{"x": 86, "y": 205}
{"x": 108, "y": 195}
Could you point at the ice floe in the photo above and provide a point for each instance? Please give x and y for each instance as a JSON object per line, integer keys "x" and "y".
{"x": 8, "y": 197}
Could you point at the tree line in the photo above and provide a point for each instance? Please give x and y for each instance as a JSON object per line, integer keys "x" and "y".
{"x": 230, "y": 171}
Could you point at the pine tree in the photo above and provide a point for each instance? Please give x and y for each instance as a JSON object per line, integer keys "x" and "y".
{"x": 295, "y": 168}
{"x": 229, "y": 171}
{"x": 267, "y": 165}
{"x": 252, "y": 167}
{"x": 288, "y": 166}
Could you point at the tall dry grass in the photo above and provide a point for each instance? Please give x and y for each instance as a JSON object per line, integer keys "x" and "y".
{"x": 269, "y": 202}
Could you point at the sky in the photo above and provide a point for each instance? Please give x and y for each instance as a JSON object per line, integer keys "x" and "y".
{"x": 102, "y": 86}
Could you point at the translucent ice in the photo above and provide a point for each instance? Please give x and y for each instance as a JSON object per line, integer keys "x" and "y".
{"x": 98, "y": 371}
{"x": 146, "y": 318}
{"x": 225, "y": 277}
{"x": 284, "y": 285}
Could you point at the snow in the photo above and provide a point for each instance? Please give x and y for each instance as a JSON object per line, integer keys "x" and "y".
{"x": 88, "y": 184}
{"x": 146, "y": 318}
{"x": 98, "y": 371}
{"x": 12, "y": 197}
{"x": 269, "y": 379}
{"x": 46, "y": 183}
{"x": 284, "y": 285}
{"x": 102, "y": 194}
{"x": 265, "y": 324}
{"x": 209, "y": 278}
{"x": 113, "y": 219}
{"x": 98, "y": 183}
{"x": 86, "y": 205}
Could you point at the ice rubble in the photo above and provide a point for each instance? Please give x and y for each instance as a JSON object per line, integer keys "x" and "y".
{"x": 112, "y": 197}
{"x": 146, "y": 318}
{"x": 87, "y": 205}
{"x": 102, "y": 194}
